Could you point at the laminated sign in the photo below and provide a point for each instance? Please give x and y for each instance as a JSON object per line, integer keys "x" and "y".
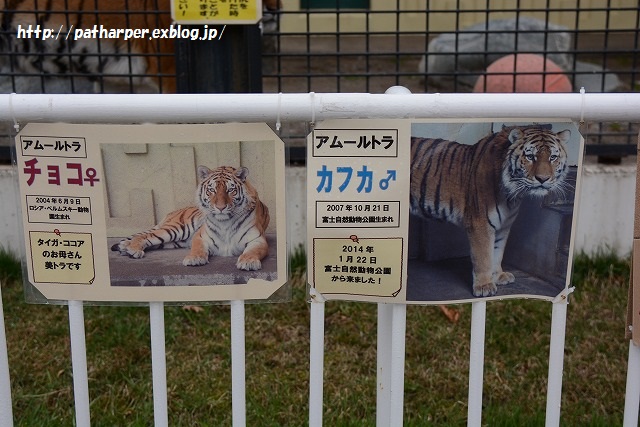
{"x": 216, "y": 12}
{"x": 152, "y": 212}
{"x": 422, "y": 212}
{"x": 357, "y": 206}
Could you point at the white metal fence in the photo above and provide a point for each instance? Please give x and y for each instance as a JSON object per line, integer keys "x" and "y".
{"x": 20, "y": 109}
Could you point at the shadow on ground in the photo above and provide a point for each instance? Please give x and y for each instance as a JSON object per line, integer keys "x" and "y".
{"x": 450, "y": 280}
{"x": 163, "y": 267}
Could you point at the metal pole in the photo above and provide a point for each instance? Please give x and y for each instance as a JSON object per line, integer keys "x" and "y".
{"x": 316, "y": 363}
{"x": 556, "y": 363}
{"x": 476, "y": 363}
{"x": 6, "y": 412}
{"x": 230, "y": 64}
{"x": 383, "y": 395}
{"x": 398, "y": 340}
{"x": 158, "y": 364}
{"x": 632, "y": 396}
{"x": 79, "y": 363}
{"x": 262, "y": 107}
{"x": 238, "y": 374}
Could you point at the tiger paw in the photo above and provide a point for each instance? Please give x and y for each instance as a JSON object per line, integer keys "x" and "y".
{"x": 191, "y": 260}
{"x": 485, "y": 290}
{"x": 504, "y": 278}
{"x": 135, "y": 254}
{"x": 125, "y": 248}
{"x": 248, "y": 262}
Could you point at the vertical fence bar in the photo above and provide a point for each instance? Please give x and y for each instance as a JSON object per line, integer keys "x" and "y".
{"x": 238, "y": 375}
{"x": 6, "y": 412}
{"x": 476, "y": 362}
{"x": 632, "y": 396}
{"x": 383, "y": 395}
{"x": 158, "y": 364}
{"x": 398, "y": 339}
{"x": 556, "y": 362}
{"x": 316, "y": 363}
{"x": 79, "y": 363}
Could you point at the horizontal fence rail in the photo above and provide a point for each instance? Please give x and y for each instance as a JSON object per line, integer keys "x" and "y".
{"x": 207, "y": 108}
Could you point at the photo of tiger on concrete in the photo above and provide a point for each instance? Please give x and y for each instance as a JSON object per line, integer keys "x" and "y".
{"x": 481, "y": 187}
{"x": 228, "y": 220}
{"x": 202, "y": 212}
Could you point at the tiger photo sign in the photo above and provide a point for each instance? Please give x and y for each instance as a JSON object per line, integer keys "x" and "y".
{"x": 140, "y": 213}
{"x": 428, "y": 212}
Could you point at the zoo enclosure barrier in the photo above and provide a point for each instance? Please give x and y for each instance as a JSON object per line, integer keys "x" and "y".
{"x": 434, "y": 46}
{"x": 277, "y": 108}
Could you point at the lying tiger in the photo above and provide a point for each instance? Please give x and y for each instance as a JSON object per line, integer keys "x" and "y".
{"x": 228, "y": 220}
{"x": 480, "y": 187}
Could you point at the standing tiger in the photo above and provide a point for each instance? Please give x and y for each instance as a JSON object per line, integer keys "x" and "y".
{"x": 480, "y": 188}
{"x": 228, "y": 220}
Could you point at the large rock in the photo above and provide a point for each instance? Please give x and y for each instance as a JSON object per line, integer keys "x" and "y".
{"x": 455, "y": 60}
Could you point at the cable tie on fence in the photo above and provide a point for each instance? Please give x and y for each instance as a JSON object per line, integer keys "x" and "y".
{"x": 278, "y": 124}
{"x": 316, "y": 296}
{"x": 582, "y": 102}
{"x": 563, "y": 297}
{"x": 16, "y": 125}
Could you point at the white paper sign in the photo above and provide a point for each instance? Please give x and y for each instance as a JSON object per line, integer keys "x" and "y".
{"x": 153, "y": 212}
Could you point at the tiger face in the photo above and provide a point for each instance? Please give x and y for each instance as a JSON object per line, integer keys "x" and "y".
{"x": 234, "y": 219}
{"x": 536, "y": 162}
{"x": 221, "y": 191}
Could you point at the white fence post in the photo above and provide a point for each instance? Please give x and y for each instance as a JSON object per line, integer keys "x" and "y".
{"x": 476, "y": 362}
{"x": 632, "y": 396}
{"x": 556, "y": 363}
{"x": 238, "y": 375}
{"x": 79, "y": 363}
{"x": 398, "y": 339}
{"x": 158, "y": 364}
{"x": 383, "y": 394}
{"x": 392, "y": 321}
{"x": 316, "y": 363}
{"x": 6, "y": 412}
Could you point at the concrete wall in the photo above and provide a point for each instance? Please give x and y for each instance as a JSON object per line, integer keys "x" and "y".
{"x": 605, "y": 217}
{"x": 9, "y": 223}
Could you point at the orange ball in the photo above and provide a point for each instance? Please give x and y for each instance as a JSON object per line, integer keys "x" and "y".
{"x": 545, "y": 76}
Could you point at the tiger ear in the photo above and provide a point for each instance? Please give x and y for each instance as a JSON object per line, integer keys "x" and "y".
{"x": 203, "y": 172}
{"x": 515, "y": 135}
{"x": 242, "y": 173}
{"x": 564, "y": 135}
